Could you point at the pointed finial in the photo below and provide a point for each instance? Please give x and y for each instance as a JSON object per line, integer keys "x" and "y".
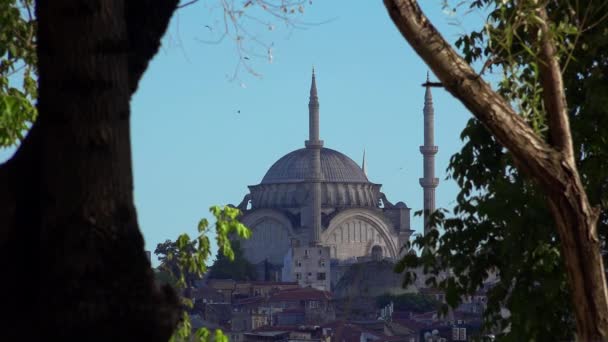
{"x": 429, "y": 84}
{"x": 428, "y": 98}
{"x": 363, "y": 166}
{"x": 313, "y": 112}
{"x": 313, "y": 85}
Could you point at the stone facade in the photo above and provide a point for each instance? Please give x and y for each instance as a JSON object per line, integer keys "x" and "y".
{"x": 309, "y": 266}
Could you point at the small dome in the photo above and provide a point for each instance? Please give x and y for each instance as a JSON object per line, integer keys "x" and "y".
{"x": 295, "y": 167}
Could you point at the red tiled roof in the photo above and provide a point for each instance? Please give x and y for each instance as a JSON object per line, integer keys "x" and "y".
{"x": 411, "y": 324}
{"x": 430, "y": 291}
{"x": 402, "y": 314}
{"x": 205, "y": 292}
{"x": 250, "y": 300}
{"x": 344, "y": 331}
{"x": 431, "y": 315}
{"x": 275, "y": 283}
{"x": 300, "y": 294}
{"x": 467, "y": 316}
{"x": 276, "y": 328}
{"x": 221, "y": 282}
{"x": 393, "y": 338}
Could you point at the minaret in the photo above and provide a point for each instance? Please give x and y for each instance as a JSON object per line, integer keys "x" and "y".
{"x": 428, "y": 150}
{"x": 314, "y": 145}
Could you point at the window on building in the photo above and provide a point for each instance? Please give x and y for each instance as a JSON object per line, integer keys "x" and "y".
{"x": 306, "y": 253}
{"x": 322, "y": 263}
{"x": 310, "y": 274}
{"x": 299, "y": 263}
{"x": 463, "y": 334}
{"x": 455, "y": 334}
{"x": 298, "y": 276}
{"x": 321, "y": 276}
{"x": 313, "y": 304}
{"x": 320, "y": 251}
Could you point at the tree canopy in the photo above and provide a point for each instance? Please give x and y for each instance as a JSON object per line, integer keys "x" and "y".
{"x": 408, "y": 302}
{"x": 502, "y": 223}
{"x": 18, "y": 69}
{"x": 237, "y": 268}
{"x": 169, "y": 265}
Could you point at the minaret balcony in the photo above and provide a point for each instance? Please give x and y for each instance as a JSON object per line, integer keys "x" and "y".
{"x": 429, "y": 150}
{"x": 313, "y": 144}
{"x": 429, "y": 182}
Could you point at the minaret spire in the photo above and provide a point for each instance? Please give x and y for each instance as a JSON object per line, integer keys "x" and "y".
{"x": 313, "y": 110}
{"x": 428, "y": 150}
{"x": 314, "y": 145}
{"x": 363, "y": 166}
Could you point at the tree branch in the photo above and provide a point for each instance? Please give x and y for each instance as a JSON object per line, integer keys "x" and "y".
{"x": 191, "y": 2}
{"x": 554, "y": 96}
{"x": 460, "y": 80}
{"x": 553, "y": 168}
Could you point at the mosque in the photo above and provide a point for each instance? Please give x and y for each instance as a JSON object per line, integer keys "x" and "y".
{"x": 316, "y": 196}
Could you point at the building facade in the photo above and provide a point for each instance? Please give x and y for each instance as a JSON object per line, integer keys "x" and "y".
{"x": 309, "y": 266}
{"x": 320, "y": 197}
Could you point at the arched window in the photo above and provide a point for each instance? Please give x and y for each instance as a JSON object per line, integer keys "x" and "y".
{"x": 377, "y": 253}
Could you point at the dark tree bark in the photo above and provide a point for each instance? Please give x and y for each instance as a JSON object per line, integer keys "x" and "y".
{"x": 69, "y": 187}
{"x": 550, "y": 165}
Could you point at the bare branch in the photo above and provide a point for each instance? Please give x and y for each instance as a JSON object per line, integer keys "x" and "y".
{"x": 554, "y": 96}
{"x": 240, "y": 21}
{"x": 187, "y": 4}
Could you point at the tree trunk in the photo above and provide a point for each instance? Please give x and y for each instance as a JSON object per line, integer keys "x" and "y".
{"x": 552, "y": 166}
{"x": 70, "y": 184}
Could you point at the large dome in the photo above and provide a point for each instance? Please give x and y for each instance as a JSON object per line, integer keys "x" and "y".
{"x": 295, "y": 167}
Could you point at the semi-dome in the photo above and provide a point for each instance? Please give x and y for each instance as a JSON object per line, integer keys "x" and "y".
{"x": 296, "y": 167}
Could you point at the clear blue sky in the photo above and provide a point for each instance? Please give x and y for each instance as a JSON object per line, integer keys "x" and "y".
{"x": 192, "y": 149}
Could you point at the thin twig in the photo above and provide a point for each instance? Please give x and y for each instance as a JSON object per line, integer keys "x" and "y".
{"x": 187, "y": 4}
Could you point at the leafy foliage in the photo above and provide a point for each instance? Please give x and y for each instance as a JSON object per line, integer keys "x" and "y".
{"x": 18, "y": 88}
{"x": 238, "y": 268}
{"x": 169, "y": 265}
{"x": 191, "y": 258}
{"x": 501, "y": 224}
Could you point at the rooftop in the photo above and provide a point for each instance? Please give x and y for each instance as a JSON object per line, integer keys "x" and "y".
{"x": 300, "y": 294}
{"x": 296, "y": 167}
